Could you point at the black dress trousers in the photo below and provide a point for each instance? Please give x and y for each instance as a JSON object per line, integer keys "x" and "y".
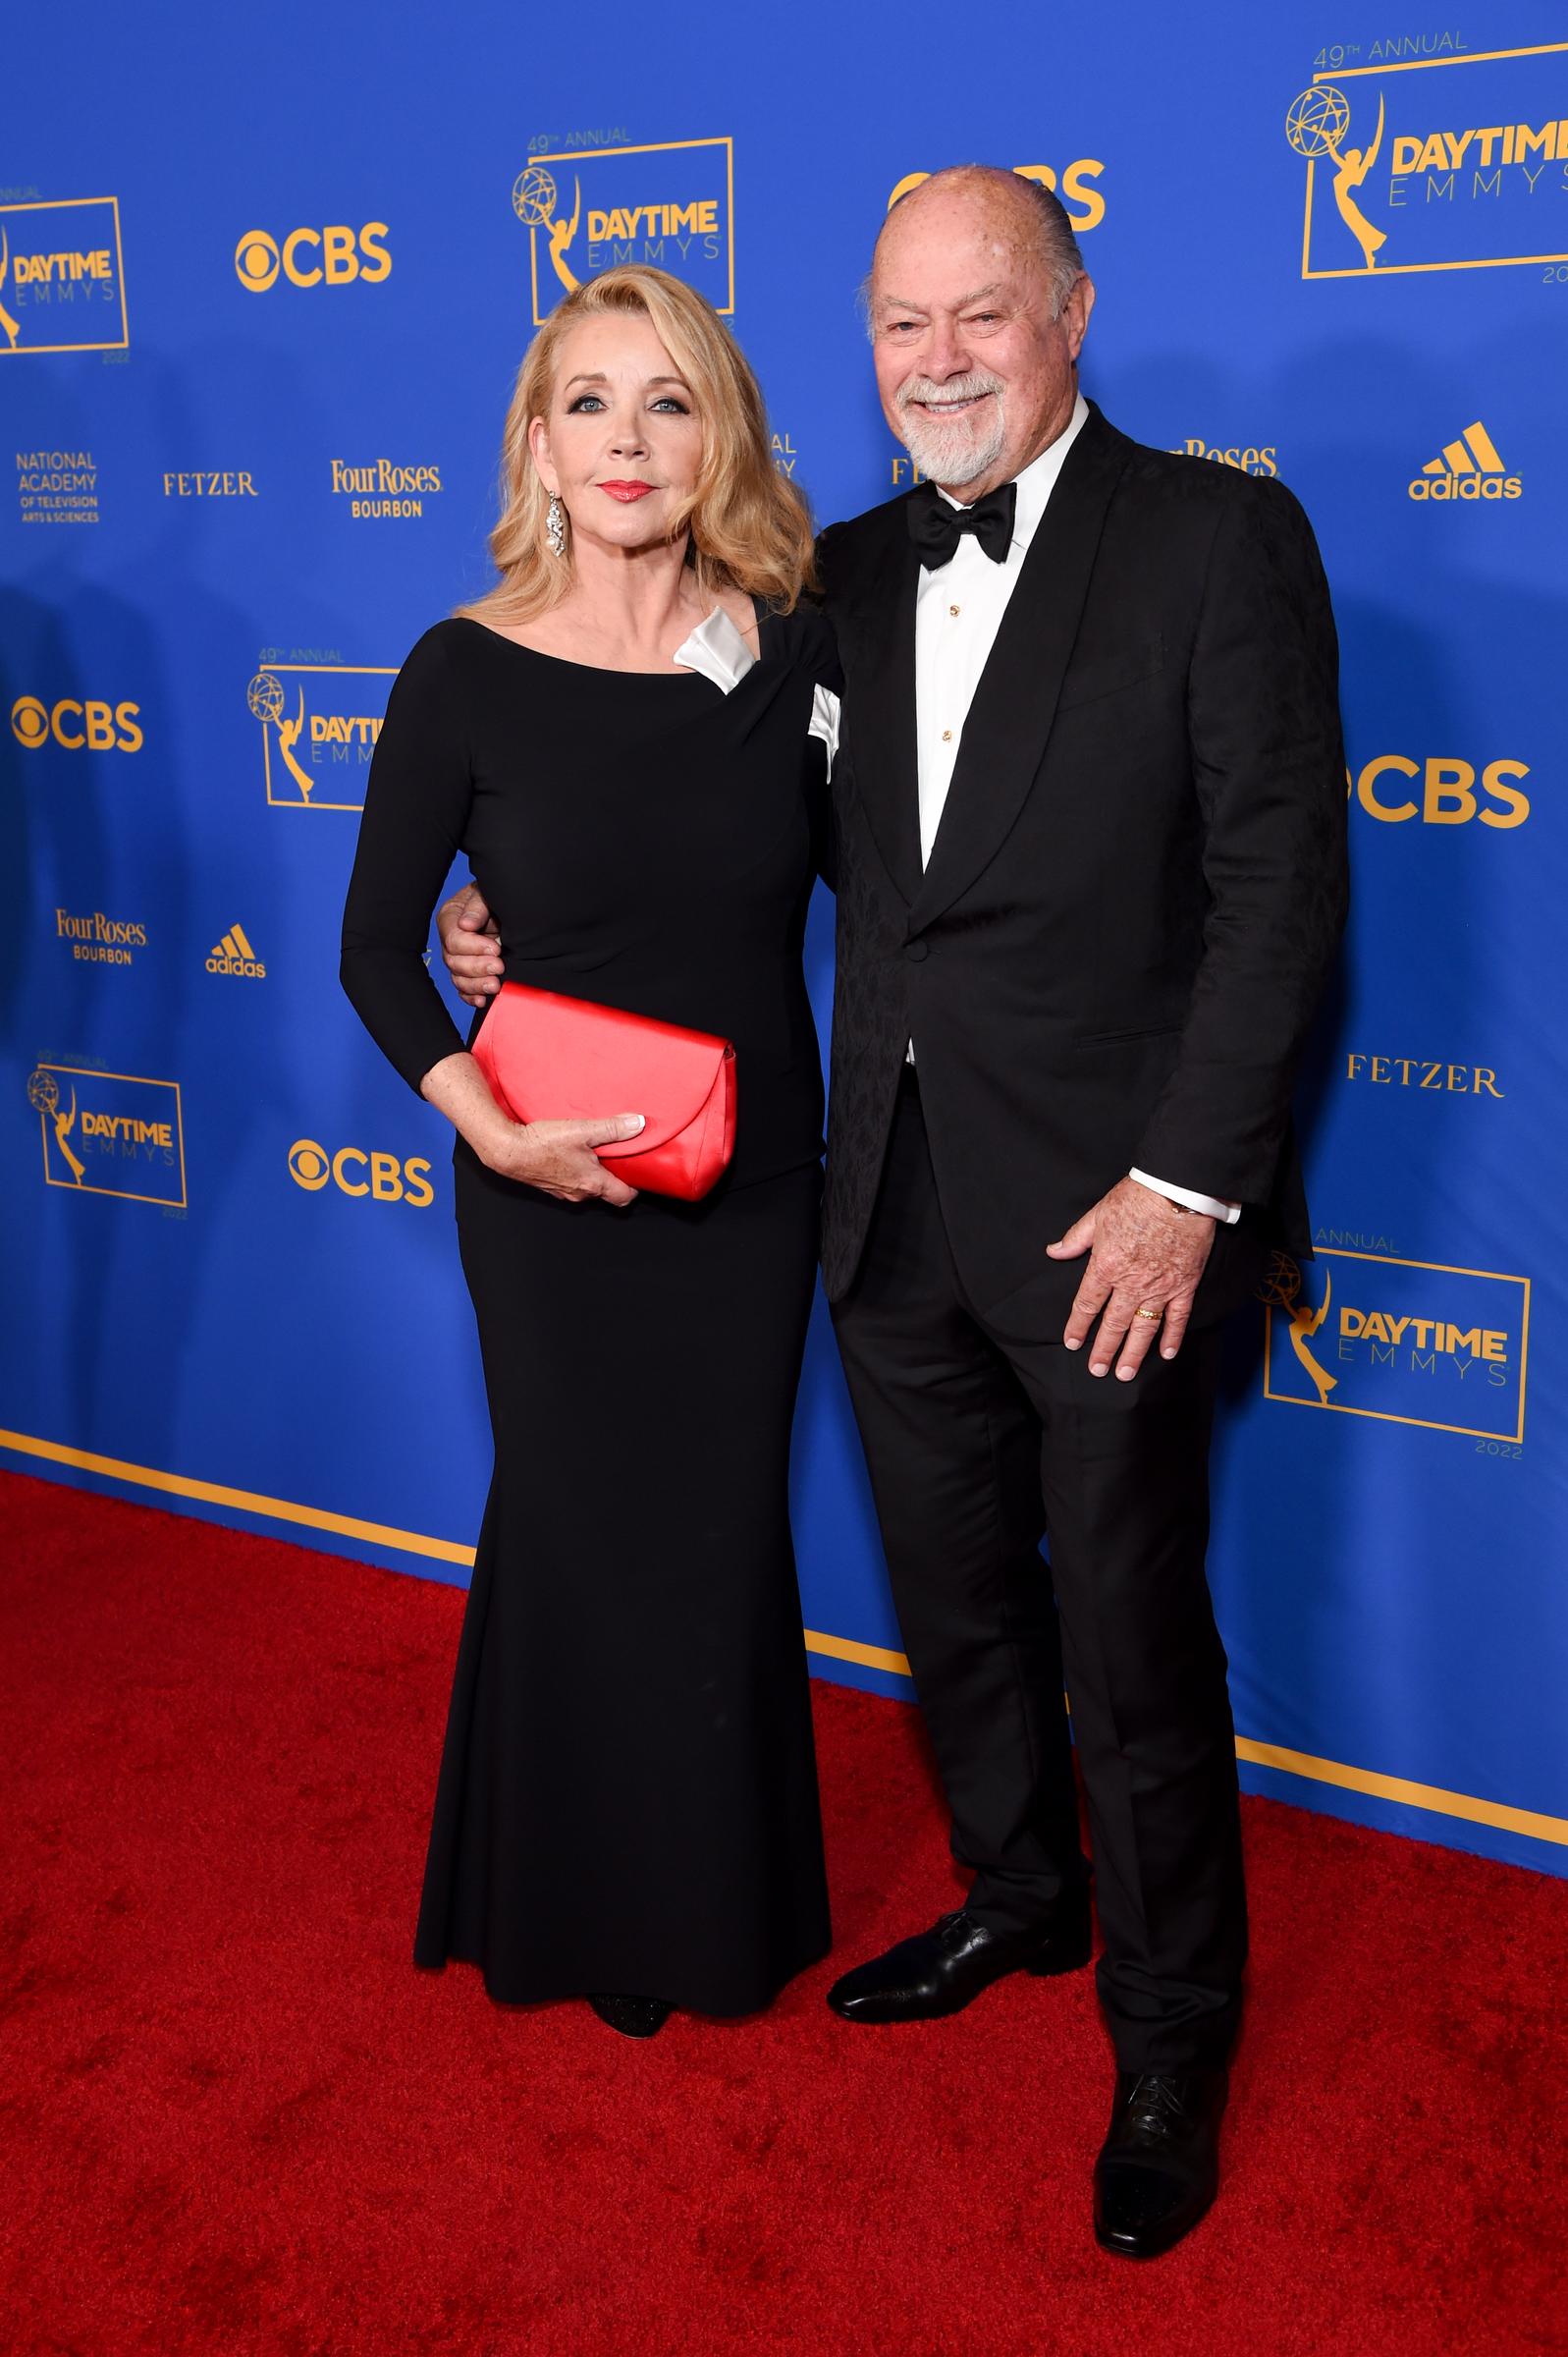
{"x": 983, "y": 1434}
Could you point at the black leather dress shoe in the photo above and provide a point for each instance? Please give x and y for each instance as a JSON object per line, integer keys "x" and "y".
{"x": 632, "y": 2016}
{"x": 1159, "y": 2168}
{"x": 939, "y": 1971}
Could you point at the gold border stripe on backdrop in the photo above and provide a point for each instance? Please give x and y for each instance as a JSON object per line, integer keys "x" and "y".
{"x": 1397, "y": 1787}
{"x": 248, "y": 1502}
{"x": 849, "y": 1649}
{"x": 1431, "y": 1798}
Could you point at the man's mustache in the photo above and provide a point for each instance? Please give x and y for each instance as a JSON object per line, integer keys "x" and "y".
{"x": 956, "y": 389}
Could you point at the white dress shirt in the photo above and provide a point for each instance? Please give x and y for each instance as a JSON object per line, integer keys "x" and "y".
{"x": 958, "y": 610}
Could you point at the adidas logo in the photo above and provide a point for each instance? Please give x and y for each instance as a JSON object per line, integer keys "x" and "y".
{"x": 1469, "y": 468}
{"x": 235, "y": 955}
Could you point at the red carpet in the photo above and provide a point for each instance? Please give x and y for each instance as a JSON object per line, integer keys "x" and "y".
{"x": 235, "y": 2119}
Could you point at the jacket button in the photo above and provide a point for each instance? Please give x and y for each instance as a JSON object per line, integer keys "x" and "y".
{"x": 916, "y": 949}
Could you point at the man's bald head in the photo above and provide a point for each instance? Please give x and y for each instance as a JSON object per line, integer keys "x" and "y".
{"x": 1019, "y": 212}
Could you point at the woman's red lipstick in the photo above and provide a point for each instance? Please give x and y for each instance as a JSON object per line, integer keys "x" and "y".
{"x": 626, "y": 492}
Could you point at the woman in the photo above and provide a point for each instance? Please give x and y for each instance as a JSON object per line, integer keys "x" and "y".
{"x": 617, "y": 738}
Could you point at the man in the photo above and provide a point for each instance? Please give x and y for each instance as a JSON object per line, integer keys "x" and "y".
{"x": 1090, "y": 801}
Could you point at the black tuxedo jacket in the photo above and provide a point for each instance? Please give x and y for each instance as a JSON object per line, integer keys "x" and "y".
{"x": 1138, "y": 883}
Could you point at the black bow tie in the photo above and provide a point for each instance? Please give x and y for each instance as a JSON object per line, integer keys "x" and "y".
{"x": 935, "y": 526}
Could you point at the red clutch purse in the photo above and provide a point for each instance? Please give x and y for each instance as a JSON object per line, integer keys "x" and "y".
{"x": 549, "y": 1057}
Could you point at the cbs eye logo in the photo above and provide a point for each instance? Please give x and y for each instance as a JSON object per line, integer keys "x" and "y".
{"x": 389, "y": 1182}
{"x": 102, "y": 728}
{"x": 314, "y": 257}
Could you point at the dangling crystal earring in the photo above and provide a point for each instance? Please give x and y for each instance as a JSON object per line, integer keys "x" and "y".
{"x": 555, "y": 527}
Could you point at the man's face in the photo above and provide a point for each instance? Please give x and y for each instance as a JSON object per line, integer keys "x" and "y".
{"x": 975, "y": 373}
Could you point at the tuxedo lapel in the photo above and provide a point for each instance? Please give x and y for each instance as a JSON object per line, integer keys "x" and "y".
{"x": 881, "y": 704}
{"x": 1015, "y": 702}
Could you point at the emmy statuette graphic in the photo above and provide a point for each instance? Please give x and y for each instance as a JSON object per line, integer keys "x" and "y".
{"x": 533, "y": 201}
{"x": 1281, "y": 1289}
{"x": 43, "y": 1095}
{"x": 1316, "y": 126}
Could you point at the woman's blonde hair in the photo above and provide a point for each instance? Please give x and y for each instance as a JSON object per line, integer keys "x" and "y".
{"x": 750, "y": 527}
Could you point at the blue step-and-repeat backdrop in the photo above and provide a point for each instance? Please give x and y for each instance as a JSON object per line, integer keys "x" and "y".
{"x": 264, "y": 284}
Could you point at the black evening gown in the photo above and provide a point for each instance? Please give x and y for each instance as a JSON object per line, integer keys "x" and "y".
{"x": 627, "y": 1795}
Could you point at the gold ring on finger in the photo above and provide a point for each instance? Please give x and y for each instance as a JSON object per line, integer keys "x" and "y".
{"x": 1154, "y": 1315}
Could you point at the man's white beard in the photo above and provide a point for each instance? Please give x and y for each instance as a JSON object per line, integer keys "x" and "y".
{"x": 960, "y": 453}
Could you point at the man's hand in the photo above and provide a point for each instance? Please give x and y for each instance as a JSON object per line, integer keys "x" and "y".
{"x": 468, "y": 934}
{"x": 1144, "y": 1254}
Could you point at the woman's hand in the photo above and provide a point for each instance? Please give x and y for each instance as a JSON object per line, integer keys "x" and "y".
{"x": 558, "y": 1159}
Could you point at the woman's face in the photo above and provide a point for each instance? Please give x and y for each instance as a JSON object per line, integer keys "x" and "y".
{"x": 622, "y": 443}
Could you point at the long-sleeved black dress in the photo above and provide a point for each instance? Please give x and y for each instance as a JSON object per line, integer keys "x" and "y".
{"x": 627, "y": 1796}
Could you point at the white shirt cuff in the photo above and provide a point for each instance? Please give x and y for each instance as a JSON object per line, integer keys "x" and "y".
{"x": 1228, "y": 1213}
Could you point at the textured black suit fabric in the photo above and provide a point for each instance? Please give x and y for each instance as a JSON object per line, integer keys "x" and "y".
{"x": 627, "y": 1796}
{"x": 1114, "y": 956}
{"x": 1110, "y": 959}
